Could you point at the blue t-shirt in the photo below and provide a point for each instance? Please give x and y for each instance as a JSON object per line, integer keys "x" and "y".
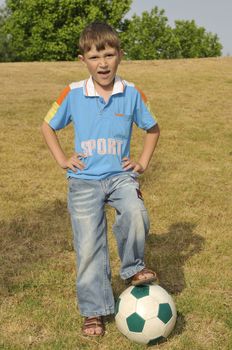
{"x": 102, "y": 130}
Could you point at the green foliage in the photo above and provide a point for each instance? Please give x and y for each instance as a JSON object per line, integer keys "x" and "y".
{"x": 37, "y": 30}
{"x": 6, "y": 53}
{"x": 150, "y": 37}
{"x": 195, "y": 41}
{"x": 49, "y": 30}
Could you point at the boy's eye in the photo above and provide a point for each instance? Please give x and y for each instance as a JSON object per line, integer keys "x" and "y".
{"x": 94, "y": 58}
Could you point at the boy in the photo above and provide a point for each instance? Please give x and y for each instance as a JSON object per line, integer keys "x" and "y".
{"x": 103, "y": 109}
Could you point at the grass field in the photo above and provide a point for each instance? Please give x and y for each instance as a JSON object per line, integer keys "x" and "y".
{"x": 187, "y": 190}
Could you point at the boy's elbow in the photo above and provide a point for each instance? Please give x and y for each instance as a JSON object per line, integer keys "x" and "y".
{"x": 45, "y": 128}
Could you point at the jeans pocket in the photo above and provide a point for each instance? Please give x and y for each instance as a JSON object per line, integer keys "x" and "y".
{"x": 134, "y": 174}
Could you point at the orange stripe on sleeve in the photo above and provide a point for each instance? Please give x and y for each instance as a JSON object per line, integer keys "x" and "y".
{"x": 63, "y": 95}
{"x": 144, "y": 97}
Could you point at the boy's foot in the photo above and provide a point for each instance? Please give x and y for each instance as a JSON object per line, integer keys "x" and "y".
{"x": 93, "y": 326}
{"x": 144, "y": 276}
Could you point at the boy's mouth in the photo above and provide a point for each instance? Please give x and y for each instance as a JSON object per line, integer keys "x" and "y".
{"x": 106, "y": 72}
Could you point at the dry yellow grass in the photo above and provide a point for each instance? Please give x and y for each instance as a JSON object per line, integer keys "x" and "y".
{"x": 187, "y": 191}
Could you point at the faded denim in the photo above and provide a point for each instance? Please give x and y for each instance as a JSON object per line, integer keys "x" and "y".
{"x": 86, "y": 203}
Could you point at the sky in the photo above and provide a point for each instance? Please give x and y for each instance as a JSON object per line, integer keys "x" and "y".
{"x": 214, "y": 15}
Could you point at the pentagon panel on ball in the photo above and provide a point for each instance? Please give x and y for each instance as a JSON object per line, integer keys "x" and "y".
{"x": 145, "y": 314}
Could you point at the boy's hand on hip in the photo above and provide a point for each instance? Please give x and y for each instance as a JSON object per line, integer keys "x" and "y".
{"x": 129, "y": 164}
{"x": 74, "y": 163}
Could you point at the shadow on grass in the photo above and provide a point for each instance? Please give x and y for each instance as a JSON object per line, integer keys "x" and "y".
{"x": 46, "y": 232}
{"x": 32, "y": 237}
{"x": 168, "y": 252}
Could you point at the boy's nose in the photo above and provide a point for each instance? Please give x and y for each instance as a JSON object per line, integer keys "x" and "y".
{"x": 103, "y": 62}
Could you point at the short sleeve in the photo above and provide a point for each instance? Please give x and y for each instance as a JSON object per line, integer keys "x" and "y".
{"x": 59, "y": 114}
{"x": 143, "y": 116}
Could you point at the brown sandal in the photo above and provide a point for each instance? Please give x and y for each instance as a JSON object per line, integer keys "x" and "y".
{"x": 93, "y": 323}
{"x": 144, "y": 276}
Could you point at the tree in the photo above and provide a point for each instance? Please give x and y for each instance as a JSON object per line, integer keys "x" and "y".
{"x": 150, "y": 37}
{"x": 33, "y": 30}
{"x": 6, "y": 52}
{"x": 195, "y": 41}
{"x": 49, "y": 30}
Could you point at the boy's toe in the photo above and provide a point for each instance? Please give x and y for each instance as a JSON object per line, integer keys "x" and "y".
{"x": 93, "y": 326}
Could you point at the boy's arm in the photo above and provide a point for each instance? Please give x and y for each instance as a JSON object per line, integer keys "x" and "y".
{"x": 53, "y": 144}
{"x": 150, "y": 142}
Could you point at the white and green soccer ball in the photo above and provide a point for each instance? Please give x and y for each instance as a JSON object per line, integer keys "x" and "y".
{"x": 145, "y": 314}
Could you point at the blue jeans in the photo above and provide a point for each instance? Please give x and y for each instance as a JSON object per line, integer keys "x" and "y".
{"x": 86, "y": 203}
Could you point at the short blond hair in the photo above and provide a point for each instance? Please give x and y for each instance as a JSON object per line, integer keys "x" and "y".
{"x": 100, "y": 35}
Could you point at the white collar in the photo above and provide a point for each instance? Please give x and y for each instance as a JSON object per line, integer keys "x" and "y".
{"x": 89, "y": 89}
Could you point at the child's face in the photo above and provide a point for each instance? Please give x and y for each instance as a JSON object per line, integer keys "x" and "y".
{"x": 102, "y": 65}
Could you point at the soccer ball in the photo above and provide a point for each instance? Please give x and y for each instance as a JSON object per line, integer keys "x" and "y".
{"x": 145, "y": 314}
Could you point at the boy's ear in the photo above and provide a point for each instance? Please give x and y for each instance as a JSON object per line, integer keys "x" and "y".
{"x": 81, "y": 58}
